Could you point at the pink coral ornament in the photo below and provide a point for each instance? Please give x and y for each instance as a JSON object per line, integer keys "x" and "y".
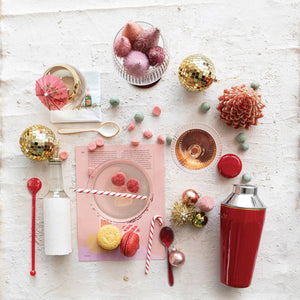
{"x": 240, "y": 107}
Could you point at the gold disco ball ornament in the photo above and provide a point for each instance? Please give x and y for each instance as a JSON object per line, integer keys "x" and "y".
{"x": 196, "y": 73}
{"x": 38, "y": 142}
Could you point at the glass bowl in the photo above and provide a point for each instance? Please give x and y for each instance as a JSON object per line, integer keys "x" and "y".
{"x": 119, "y": 209}
{"x": 153, "y": 74}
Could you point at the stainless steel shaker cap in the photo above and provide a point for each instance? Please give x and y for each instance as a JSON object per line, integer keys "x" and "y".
{"x": 244, "y": 196}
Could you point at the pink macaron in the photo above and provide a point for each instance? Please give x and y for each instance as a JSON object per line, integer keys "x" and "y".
{"x": 206, "y": 203}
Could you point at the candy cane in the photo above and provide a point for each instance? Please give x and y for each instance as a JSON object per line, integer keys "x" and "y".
{"x": 160, "y": 220}
{"x": 107, "y": 193}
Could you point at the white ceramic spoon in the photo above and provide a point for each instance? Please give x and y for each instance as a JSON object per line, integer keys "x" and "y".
{"x": 107, "y": 129}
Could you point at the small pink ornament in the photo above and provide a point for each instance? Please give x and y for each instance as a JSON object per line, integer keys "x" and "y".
{"x": 146, "y": 39}
{"x": 156, "y": 56}
{"x": 206, "y": 203}
{"x": 156, "y": 111}
{"x": 136, "y": 63}
{"x": 122, "y": 46}
{"x": 131, "y": 126}
{"x": 160, "y": 139}
{"x": 148, "y": 134}
{"x": 131, "y": 31}
{"x": 135, "y": 142}
{"x": 92, "y": 146}
{"x": 176, "y": 258}
{"x": 240, "y": 107}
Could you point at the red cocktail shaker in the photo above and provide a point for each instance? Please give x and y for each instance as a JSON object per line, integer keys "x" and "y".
{"x": 242, "y": 218}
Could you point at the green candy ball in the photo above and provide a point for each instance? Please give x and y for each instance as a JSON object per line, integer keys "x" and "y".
{"x": 241, "y": 138}
{"x": 169, "y": 139}
{"x": 139, "y": 117}
{"x": 205, "y": 107}
{"x": 244, "y": 146}
{"x": 255, "y": 85}
{"x": 114, "y": 101}
{"x": 247, "y": 177}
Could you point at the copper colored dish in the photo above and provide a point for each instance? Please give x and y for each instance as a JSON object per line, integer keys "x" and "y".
{"x": 196, "y": 147}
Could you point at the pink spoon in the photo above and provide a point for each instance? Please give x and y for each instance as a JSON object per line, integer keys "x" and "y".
{"x": 33, "y": 185}
{"x": 166, "y": 237}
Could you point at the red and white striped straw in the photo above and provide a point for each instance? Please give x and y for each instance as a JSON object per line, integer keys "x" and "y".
{"x": 160, "y": 220}
{"x": 107, "y": 193}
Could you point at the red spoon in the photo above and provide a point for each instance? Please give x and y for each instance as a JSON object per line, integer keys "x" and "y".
{"x": 33, "y": 185}
{"x": 166, "y": 237}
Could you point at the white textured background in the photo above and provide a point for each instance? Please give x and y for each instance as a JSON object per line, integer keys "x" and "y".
{"x": 255, "y": 40}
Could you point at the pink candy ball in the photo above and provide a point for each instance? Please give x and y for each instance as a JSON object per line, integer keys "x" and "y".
{"x": 148, "y": 134}
{"x": 136, "y": 63}
{"x": 135, "y": 142}
{"x": 99, "y": 142}
{"x": 92, "y": 146}
{"x": 131, "y": 126}
{"x": 122, "y": 46}
{"x": 156, "y": 111}
{"x": 156, "y": 56}
{"x": 160, "y": 139}
{"x": 63, "y": 155}
{"x": 206, "y": 203}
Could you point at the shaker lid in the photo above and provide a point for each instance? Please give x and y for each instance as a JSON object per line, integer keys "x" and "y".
{"x": 230, "y": 165}
{"x": 244, "y": 196}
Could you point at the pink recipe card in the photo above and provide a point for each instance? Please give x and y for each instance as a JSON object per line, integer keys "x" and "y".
{"x": 94, "y": 170}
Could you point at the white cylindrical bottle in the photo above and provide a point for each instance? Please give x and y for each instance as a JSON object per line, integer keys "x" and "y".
{"x": 57, "y": 214}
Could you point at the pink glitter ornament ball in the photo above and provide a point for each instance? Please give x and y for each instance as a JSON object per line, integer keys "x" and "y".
{"x": 156, "y": 56}
{"x": 240, "y": 107}
{"x": 146, "y": 39}
{"x": 136, "y": 63}
{"x": 122, "y": 46}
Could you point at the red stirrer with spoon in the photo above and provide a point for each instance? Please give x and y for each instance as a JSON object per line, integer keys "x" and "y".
{"x": 33, "y": 185}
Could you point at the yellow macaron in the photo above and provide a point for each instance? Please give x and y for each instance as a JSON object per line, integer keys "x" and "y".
{"x": 109, "y": 237}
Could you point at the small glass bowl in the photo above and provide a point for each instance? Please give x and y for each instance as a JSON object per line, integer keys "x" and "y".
{"x": 74, "y": 82}
{"x": 153, "y": 74}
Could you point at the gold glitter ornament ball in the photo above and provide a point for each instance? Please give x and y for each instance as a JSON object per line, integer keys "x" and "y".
{"x": 196, "y": 73}
{"x": 38, "y": 142}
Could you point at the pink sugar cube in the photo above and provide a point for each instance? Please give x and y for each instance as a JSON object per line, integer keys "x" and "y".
{"x": 160, "y": 139}
{"x": 148, "y": 134}
{"x": 135, "y": 142}
{"x": 92, "y": 146}
{"x": 156, "y": 111}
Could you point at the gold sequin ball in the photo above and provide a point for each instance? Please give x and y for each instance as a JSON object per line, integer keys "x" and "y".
{"x": 38, "y": 142}
{"x": 196, "y": 73}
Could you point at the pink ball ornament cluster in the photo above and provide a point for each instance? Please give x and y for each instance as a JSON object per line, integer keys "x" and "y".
{"x": 139, "y": 48}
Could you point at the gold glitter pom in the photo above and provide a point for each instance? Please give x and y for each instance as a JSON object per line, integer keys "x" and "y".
{"x": 182, "y": 214}
{"x": 196, "y": 73}
{"x": 38, "y": 142}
